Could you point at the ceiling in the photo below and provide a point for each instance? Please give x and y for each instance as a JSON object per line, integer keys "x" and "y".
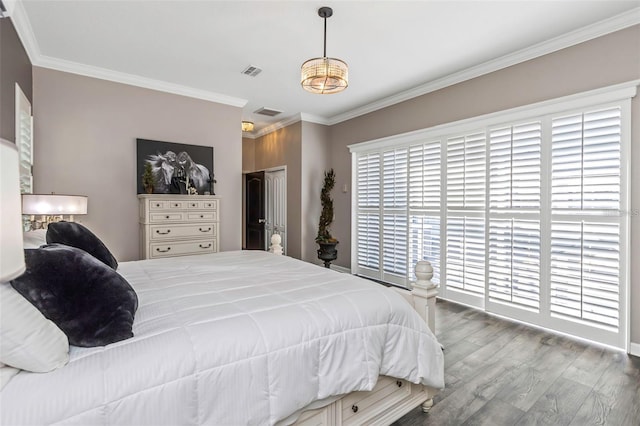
{"x": 200, "y": 48}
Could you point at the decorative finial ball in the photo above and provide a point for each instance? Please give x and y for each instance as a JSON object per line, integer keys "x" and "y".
{"x": 424, "y": 270}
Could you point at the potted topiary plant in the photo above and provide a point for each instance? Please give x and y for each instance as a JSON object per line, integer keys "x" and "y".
{"x": 147, "y": 179}
{"x": 327, "y": 252}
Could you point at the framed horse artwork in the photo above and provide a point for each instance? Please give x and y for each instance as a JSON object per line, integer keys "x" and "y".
{"x": 175, "y": 168}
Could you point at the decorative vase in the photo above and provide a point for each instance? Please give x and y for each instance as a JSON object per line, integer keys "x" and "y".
{"x": 328, "y": 252}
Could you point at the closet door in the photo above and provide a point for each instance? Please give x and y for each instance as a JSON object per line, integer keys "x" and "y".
{"x": 276, "y": 211}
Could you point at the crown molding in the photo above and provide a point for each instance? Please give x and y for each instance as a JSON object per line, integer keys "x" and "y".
{"x": 598, "y": 29}
{"x": 278, "y": 125}
{"x": 288, "y": 121}
{"x": 20, "y": 21}
{"x": 25, "y": 32}
{"x": 317, "y": 119}
{"x": 135, "y": 80}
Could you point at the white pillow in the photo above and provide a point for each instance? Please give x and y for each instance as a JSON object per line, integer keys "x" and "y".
{"x": 28, "y": 340}
{"x": 34, "y": 239}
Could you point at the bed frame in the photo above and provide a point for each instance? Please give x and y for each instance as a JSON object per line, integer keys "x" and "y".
{"x": 391, "y": 398}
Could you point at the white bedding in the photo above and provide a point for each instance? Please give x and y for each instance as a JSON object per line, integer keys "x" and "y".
{"x": 232, "y": 338}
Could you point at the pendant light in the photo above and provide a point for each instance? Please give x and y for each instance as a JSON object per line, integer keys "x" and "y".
{"x": 325, "y": 75}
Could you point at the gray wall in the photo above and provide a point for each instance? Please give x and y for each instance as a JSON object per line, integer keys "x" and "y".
{"x": 304, "y": 148}
{"x": 15, "y": 67}
{"x": 85, "y": 132}
{"x": 315, "y": 160}
{"x": 611, "y": 59}
{"x": 283, "y": 148}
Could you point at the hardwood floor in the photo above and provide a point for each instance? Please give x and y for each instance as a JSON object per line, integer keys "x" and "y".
{"x": 503, "y": 373}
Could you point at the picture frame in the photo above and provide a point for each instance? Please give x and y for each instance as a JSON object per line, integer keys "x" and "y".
{"x": 173, "y": 168}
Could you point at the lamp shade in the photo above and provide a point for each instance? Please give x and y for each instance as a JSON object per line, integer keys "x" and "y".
{"x": 325, "y": 75}
{"x": 53, "y": 204}
{"x": 11, "y": 248}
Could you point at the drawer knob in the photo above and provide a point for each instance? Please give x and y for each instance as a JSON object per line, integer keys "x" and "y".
{"x": 205, "y": 247}
{"x": 354, "y": 408}
{"x": 201, "y": 216}
{"x": 204, "y": 230}
{"x": 157, "y": 205}
{"x": 163, "y": 251}
{"x": 163, "y": 233}
{"x": 176, "y": 205}
{"x": 167, "y": 217}
{"x": 399, "y": 383}
{"x": 193, "y": 205}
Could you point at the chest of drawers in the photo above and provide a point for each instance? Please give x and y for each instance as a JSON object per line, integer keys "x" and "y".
{"x": 178, "y": 225}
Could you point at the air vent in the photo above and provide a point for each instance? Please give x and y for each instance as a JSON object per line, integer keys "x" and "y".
{"x": 251, "y": 71}
{"x": 267, "y": 111}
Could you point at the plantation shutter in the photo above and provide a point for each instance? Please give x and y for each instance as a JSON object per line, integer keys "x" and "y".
{"x": 524, "y": 214}
{"x": 24, "y": 140}
{"x": 514, "y": 210}
{"x": 368, "y": 205}
{"x": 394, "y": 215}
{"x": 586, "y": 219}
{"x": 425, "y": 206}
{"x": 465, "y": 252}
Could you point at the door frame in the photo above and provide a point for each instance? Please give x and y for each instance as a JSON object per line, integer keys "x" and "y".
{"x": 244, "y": 218}
{"x": 286, "y": 218}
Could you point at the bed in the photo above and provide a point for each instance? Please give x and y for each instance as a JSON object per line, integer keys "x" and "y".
{"x": 245, "y": 338}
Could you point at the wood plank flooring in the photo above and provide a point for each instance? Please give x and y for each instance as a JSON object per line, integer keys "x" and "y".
{"x": 502, "y": 373}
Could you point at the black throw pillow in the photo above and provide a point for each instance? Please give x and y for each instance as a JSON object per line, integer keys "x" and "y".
{"x": 90, "y": 302}
{"x": 76, "y": 235}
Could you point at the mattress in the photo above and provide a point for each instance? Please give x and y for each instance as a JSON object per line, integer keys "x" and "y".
{"x": 232, "y": 338}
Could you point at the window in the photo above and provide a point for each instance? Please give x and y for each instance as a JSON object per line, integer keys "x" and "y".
{"x": 424, "y": 205}
{"x": 514, "y": 215}
{"x": 521, "y": 213}
{"x": 585, "y": 236}
{"x": 24, "y": 140}
{"x": 465, "y": 198}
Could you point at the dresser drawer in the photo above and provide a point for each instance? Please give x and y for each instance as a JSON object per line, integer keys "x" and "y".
{"x": 210, "y": 215}
{"x": 356, "y": 407}
{"x": 170, "y": 232}
{"x": 167, "y": 205}
{"x": 158, "y": 205}
{"x": 183, "y": 248}
{"x": 202, "y": 205}
{"x": 167, "y": 217}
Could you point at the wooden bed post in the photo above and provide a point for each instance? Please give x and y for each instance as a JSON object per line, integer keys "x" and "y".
{"x": 424, "y": 294}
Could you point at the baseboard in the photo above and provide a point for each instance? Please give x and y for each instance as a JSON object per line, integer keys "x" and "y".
{"x": 634, "y": 349}
{"x": 341, "y": 269}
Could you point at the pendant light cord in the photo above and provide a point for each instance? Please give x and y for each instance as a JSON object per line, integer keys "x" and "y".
{"x": 325, "y": 37}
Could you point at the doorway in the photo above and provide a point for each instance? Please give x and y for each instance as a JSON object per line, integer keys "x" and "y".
{"x": 255, "y": 211}
{"x": 265, "y": 208}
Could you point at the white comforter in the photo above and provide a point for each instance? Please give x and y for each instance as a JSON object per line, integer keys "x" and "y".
{"x": 232, "y": 338}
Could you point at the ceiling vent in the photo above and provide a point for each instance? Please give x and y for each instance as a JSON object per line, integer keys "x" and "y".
{"x": 267, "y": 111}
{"x": 251, "y": 71}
